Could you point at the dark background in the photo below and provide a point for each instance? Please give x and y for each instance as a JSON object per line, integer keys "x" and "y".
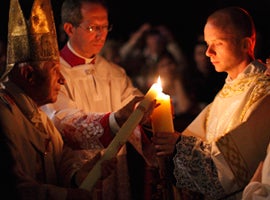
{"x": 184, "y": 18}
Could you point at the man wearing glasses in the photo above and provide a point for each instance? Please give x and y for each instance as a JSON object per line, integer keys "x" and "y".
{"x": 93, "y": 85}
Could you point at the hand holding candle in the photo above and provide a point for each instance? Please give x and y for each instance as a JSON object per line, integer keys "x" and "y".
{"x": 122, "y": 136}
{"x": 162, "y": 121}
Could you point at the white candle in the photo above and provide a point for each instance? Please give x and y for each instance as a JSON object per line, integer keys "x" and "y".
{"x": 162, "y": 121}
{"x": 122, "y": 136}
{"x": 162, "y": 117}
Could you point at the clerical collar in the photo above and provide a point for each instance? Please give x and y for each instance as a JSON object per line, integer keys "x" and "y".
{"x": 73, "y": 58}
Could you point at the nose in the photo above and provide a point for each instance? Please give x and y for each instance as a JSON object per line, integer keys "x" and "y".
{"x": 99, "y": 31}
{"x": 209, "y": 51}
{"x": 61, "y": 79}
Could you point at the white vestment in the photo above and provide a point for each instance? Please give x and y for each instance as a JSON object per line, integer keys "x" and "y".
{"x": 220, "y": 150}
{"x": 93, "y": 89}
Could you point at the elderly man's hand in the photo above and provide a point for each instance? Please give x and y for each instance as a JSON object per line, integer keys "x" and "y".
{"x": 107, "y": 167}
{"x": 122, "y": 115}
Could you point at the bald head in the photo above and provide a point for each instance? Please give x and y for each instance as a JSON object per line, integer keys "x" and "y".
{"x": 234, "y": 20}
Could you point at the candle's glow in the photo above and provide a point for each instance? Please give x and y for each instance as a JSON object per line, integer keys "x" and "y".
{"x": 161, "y": 122}
{"x": 162, "y": 118}
{"x": 159, "y": 82}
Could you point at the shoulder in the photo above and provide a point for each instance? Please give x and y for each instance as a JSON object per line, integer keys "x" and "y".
{"x": 8, "y": 111}
{"x": 5, "y": 100}
{"x": 114, "y": 68}
{"x": 262, "y": 84}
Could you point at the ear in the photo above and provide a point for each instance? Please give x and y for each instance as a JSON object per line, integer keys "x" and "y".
{"x": 28, "y": 73}
{"x": 247, "y": 43}
{"x": 68, "y": 28}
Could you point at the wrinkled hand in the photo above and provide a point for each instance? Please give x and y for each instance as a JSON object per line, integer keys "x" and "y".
{"x": 123, "y": 114}
{"x": 146, "y": 120}
{"x": 165, "y": 142}
{"x": 107, "y": 167}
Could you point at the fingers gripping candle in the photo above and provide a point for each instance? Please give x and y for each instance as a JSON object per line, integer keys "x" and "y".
{"x": 122, "y": 136}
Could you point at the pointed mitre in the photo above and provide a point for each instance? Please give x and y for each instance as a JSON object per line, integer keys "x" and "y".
{"x": 33, "y": 40}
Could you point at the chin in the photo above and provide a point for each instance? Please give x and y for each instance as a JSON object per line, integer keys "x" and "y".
{"x": 53, "y": 100}
{"x": 218, "y": 69}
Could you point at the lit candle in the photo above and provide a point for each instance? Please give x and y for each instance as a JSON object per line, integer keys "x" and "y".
{"x": 162, "y": 121}
{"x": 162, "y": 117}
{"x": 122, "y": 136}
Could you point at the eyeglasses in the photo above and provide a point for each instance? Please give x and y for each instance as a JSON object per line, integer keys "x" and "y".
{"x": 95, "y": 28}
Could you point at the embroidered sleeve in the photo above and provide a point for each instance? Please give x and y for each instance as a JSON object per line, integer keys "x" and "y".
{"x": 194, "y": 169}
{"x": 85, "y": 131}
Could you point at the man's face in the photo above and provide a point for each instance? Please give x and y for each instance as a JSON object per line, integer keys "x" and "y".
{"x": 89, "y": 41}
{"x": 48, "y": 81}
{"x": 225, "y": 50}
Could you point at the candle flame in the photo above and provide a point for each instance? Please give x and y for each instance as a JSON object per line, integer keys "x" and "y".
{"x": 159, "y": 82}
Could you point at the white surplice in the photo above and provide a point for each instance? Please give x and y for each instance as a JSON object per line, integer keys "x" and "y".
{"x": 220, "y": 150}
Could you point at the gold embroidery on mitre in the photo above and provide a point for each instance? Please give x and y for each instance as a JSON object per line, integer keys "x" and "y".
{"x": 18, "y": 45}
{"x": 43, "y": 39}
{"x": 33, "y": 40}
